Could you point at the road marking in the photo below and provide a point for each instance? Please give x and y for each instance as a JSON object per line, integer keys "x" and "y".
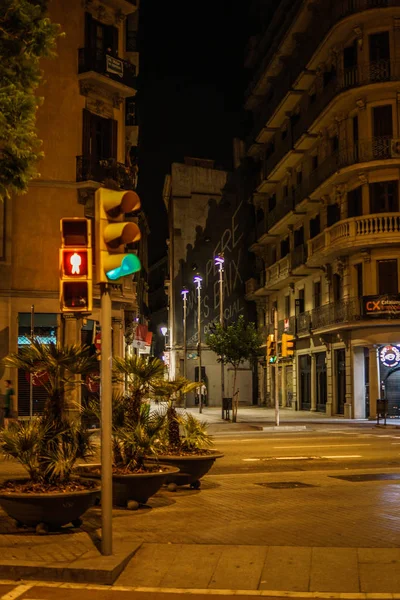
{"x": 250, "y": 459}
{"x": 344, "y": 456}
{"x": 17, "y": 591}
{"x": 320, "y": 446}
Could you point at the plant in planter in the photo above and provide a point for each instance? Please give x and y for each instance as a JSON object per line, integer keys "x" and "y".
{"x": 49, "y": 446}
{"x": 136, "y": 434}
{"x": 186, "y": 443}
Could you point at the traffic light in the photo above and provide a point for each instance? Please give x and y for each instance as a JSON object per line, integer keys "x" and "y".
{"x": 287, "y": 344}
{"x": 271, "y": 348}
{"x": 113, "y": 234}
{"x": 75, "y": 265}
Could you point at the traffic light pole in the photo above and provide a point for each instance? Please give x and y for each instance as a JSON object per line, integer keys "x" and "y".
{"x": 106, "y": 422}
{"x": 276, "y": 368}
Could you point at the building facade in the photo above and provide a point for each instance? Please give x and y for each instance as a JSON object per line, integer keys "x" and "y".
{"x": 208, "y": 215}
{"x": 325, "y": 100}
{"x": 90, "y": 135}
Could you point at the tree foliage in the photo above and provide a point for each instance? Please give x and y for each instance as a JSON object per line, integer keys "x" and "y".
{"x": 234, "y": 345}
{"x": 26, "y": 36}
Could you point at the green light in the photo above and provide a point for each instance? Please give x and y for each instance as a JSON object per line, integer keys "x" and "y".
{"x": 129, "y": 264}
{"x": 272, "y": 359}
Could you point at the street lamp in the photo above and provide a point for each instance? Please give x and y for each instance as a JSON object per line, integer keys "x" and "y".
{"x": 197, "y": 280}
{"x": 184, "y": 294}
{"x": 219, "y": 262}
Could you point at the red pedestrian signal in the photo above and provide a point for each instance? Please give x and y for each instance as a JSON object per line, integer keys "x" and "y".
{"x": 75, "y": 265}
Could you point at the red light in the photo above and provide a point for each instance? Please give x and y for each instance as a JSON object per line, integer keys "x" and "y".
{"x": 75, "y": 263}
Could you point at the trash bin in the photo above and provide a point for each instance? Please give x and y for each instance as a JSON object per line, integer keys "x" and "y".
{"x": 226, "y": 407}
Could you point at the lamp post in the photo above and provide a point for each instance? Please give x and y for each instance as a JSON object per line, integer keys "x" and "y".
{"x": 219, "y": 262}
{"x": 184, "y": 294}
{"x": 197, "y": 280}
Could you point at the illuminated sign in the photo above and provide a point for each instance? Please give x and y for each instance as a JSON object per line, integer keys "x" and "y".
{"x": 381, "y": 306}
{"x": 75, "y": 263}
{"x": 389, "y": 356}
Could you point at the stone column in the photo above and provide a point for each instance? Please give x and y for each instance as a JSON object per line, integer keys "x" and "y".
{"x": 283, "y": 384}
{"x": 72, "y": 335}
{"x": 374, "y": 381}
{"x": 313, "y": 383}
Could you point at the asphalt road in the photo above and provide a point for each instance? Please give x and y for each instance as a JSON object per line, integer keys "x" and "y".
{"x": 319, "y": 448}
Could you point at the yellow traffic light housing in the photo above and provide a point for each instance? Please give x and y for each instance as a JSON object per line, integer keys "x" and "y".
{"x": 113, "y": 234}
{"x": 271, "y": 348}
{"x": 75, "y": 261}
{"x": 287, "y": 344}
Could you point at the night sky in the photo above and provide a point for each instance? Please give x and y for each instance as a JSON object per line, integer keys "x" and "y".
{"x": 190, "y": 97}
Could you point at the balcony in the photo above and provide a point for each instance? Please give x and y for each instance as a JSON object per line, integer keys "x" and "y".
{"x": 286, "y": 326}
{"x": 113, "y": 73}
{"x": 100, "y": 171}
{"x": 277, "y": 275}
{"x": 348, "y": 235}
{"x": 303, "y": 323}
{"x": 326, "y": 15}
{"x": 125, "y": 6}
{"x": 347, "y": 310}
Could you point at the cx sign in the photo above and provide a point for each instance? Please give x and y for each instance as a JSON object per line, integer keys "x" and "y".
{"x": 384, "y": 307}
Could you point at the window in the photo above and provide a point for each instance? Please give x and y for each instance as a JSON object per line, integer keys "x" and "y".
{"x": 333, "y": 214}
{"x": 383, "y": 197}
{"x": 354, "y": 202}
{"x": 299, "y": 237}
{"x": 130, "y": 111}
{"x": 300, "y": 302}
{"x": 299, "y": 177}
{"x": 334, "y": 144}
{"x": 273, "y": 255}
{"x": 287, "y": 307}
{"x": 270, "y": 149}
{"x": 317, "y": 294}
{"x": 284, "y": 134}
{"x": 294, "y": 118}
{"x": 285, "y": 191}
{"x": 387, "y": 277}
{"x": 284, "y": 247}
{"x": 314, "y": 162}
{"x": 359, "y": 279}
{"x": 271, "y": 202}
{"x": 100, "y": 38}
{"x": 315, "y": 226}
{"x": 313, "y": 97}
{"x": 337, "y": 282}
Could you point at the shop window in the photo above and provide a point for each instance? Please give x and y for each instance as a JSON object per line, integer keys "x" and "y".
{"x": 387, "y": 277}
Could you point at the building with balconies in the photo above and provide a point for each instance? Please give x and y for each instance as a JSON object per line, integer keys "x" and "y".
{"x": 89, "y": 130}
{"x": 325, "y": 100}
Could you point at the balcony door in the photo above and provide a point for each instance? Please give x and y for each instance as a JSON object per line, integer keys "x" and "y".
{"x": 340, "y": 364}
{"x": 100, "y": 39}
{"x": 99, "y": 142}
{"x": 387, "y": 277}
{"x": 382, "y": 128}
{"x": 379, "y": 56}
{"x": 350, "y": 71}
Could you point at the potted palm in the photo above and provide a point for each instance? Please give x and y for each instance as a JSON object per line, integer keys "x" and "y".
{"x": 186, "y": 443}
{"x": 49, "y": 446}
{"x": 136, "y": 434}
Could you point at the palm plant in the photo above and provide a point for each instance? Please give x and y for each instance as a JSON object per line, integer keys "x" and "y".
{"x": 49, "y": 446}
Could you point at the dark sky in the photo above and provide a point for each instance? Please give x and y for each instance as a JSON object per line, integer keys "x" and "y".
{"x": 190, "y": 92}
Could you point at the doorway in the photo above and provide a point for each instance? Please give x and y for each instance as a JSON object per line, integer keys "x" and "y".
{"x": 340, "y": 363}
{"x": 321, "y": 381}
{"x": 305, "y": 382}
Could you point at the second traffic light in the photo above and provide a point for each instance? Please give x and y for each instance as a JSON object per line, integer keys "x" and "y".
{"x": 271, "y": 348}
{"x": 113, "y": 234}
{"x": 287, "y": 344}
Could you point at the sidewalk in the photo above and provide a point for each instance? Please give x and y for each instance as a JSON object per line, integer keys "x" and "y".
{"x": 239, "y": 532}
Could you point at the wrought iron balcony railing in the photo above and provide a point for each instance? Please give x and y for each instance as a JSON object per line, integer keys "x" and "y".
{"x": 107, "y": 65}
{"x": 286, "y": 326}
{"x": 326, "y": 15}
{"x": 87, "y": 169}
{"x": 343, "y": 311}
{"x": 303, "y": 324}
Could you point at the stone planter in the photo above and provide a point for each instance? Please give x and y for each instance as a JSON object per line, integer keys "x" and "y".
{"x": 51, "y": 510}
{"x": 191, "y": 468}
{"x": 136, "y": 486}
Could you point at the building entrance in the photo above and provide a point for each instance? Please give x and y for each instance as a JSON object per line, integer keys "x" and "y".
{"x": 305, "y": 382}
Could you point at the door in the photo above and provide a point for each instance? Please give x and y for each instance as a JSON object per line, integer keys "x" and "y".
{"x": 100, "y": 39}
{"x": 387, "y": 277}
{"x": 321, "y": 382}
{"x": 99, "y": 144}
{"x": 379, "y": 56}
{"x": 340, "y": 363}
{"x": 382, "y": 130}
{"x": 392, "y": 390}
{"x": 350, "y": 70}
{"x": 305, "y": 382}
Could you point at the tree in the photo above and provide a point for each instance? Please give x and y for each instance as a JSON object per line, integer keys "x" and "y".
{"x": 235, "y": 344}
{"x": 26, "y": 36}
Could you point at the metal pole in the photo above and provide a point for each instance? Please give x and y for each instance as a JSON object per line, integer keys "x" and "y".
{"x": 199, "y": 340}
{"x": 31, "y": 374}
{"x": 184, "y": 342}
{"x": 276, "y": 368}
{"x": 106, "y": 422}
{"x": 221, "y": 322}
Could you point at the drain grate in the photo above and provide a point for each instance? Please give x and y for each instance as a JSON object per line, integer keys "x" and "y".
{"x": 368, "y": 477}
{"x": 286, "y": 485}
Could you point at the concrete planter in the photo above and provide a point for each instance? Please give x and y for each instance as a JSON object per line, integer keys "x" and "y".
{"x": 51, "y": 510}
{"x": 191, "y": 468}
{"x": 138, "y": 487}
